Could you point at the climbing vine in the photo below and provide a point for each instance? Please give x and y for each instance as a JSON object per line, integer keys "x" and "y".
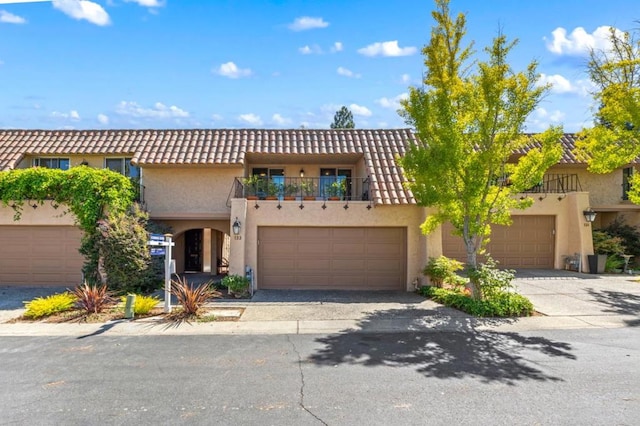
{"x": 86, "y": 192}
{"x": 89, "y": 194}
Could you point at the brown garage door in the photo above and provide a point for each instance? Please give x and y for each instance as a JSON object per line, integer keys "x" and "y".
{"x": 40, "y": 255}
{"x": 332, "y": 258}
{"x": 527, "y": 243}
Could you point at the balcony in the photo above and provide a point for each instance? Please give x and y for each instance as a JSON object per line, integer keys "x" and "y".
{"x": 557, "y": 184}
{"x": 307, "y": 188}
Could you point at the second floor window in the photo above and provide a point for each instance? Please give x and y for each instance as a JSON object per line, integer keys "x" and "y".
{"x": 52, "y": 163}
{"x": 123, "y": 166}
{"x": 627, "y": 173}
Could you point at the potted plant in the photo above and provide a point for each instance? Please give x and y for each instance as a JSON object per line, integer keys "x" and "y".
{"x": 273, "y": 190}
{"x": 604, "y": 245}
{"x": 290, "y": 191}
{"x": 309, "y": 189}
{"x": 336, "y": 190}
{"x": 237, "y": 285}
{"x": 251, "y": 187}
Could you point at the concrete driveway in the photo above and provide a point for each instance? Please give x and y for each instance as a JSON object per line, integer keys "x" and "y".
{"x": 570, "y": 294}
{"x": 566, "y": 300}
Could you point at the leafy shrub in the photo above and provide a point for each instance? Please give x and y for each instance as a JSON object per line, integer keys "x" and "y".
{"x": 45, "y": 306}
{"x": 491, "y": 280}
{"x": 613, "y": 263}
{"x": 604, "y": 243}
{"x": 143, "y": 304}
{"x": 442, "y": 270}
{"x": 501, "y": 304}
{"x": 123, "y": 248}
{"x": 192, "y": 298}
{"x": 237, "y": 284}
{"x": 93, "y": 298}
{"x": 629, "y": 235}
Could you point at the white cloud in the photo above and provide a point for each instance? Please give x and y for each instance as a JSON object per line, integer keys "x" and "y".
{"x": 362, "y": 111}
{"x": 71, "y": 115}
{"x": 347, "y": 73}
{"x": 159, "y": 110}
{"x": 280, "y": 120}
{"x": 406, "y": 78}
{"x": 308, "y": 50}
{"x": 83, "y": 9}
{"x": 307, "y": 23}
{"x": 579, "y": 42}
{"x": 561, "y": 85}
{"x": 10, "y": 18}
{"x": 337, "y": 47}
{"x": 393, "y": 102}
{"x": 387, "y": 48}
{"x": 147, "y": 3}
{"x": 103, "y": 119}
{"x": 541, "y": 119}
{"x": 251, "y": 119}
{"x": 231, "y": 70}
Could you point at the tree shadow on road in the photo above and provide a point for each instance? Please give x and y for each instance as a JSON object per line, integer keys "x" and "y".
{"x": 443, "y": 347}
{"x": 620, "y": 303}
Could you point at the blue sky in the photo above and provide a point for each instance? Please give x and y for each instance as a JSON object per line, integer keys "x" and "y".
{"x": 99, "y": 64}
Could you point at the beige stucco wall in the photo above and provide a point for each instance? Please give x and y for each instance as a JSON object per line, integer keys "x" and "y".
{"x": 188, "y": 192}
{"x": 604, "y": 189}
{"x": 42, "y": 215}
{"x": 244, "y": 247}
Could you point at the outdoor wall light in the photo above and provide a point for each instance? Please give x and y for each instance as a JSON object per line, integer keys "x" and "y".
{"x": 589, "y": 215}
{"x": 236, "y": 227}
{"x": 301, "y": 172}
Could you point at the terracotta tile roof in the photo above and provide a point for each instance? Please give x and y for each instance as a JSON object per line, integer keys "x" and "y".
{"x": 223, "y": 146}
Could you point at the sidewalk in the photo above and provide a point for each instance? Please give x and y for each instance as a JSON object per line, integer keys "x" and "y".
{"x": 566, "y": 301}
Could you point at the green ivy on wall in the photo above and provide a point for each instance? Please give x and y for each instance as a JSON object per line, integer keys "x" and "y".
{"x": 86, "y": 192}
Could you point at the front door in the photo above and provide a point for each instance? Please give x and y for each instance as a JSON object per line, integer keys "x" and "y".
{"x": 193, "y": 250}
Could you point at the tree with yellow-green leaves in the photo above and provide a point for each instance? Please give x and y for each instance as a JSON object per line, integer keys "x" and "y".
{"x": 469, "y": 117}
{"x": 614, "y": 140}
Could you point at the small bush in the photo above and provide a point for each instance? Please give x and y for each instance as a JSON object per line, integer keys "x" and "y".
{"x": 604, "y": 243}
{"x": 237, "y": 284}
{"x": 192, "y": 298}
{"x": 143, "y": 304}
{"x": 502, "y": 304}
{"x": 93, "y": 298}
{"x": 442, "y": 270}
{"x": 491, "y": 280}
{"x": 45, "y": 306}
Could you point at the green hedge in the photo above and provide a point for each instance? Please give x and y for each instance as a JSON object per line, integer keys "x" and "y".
{"x": 502, "y": 304}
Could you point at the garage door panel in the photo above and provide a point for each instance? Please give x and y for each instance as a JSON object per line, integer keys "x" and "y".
{"x": 312, "y": 247}
{"x": 528, "y": 243}
{"x": 310, "y": 233}
{"x": 348, "y": 248}
{"x": 335, "y": 258}
{"x": 40, "y": 255}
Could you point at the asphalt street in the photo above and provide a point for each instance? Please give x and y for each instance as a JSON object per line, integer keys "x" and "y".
{"x": 482, "y": 377}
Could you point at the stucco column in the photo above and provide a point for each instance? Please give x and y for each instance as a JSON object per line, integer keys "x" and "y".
{"x": 237, "y": 250}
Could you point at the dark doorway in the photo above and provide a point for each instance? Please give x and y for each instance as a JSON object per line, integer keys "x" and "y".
{"x": 193, "y": 250}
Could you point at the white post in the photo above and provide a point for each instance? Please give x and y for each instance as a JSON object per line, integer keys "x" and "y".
{"x": 167, "y": 273}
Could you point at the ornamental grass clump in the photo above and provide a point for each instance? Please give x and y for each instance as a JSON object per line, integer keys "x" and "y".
{"x": 45, "y": 306}
{"x": 143, "y": 304}
{"x": 93, "y": 299}
{"x": 192, "y": 298}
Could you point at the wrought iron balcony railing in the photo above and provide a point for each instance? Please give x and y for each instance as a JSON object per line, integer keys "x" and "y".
{"x": 557, "y": 184}
{"x": 307, "y": 188}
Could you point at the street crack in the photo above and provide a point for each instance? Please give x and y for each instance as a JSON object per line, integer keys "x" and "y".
{"x": 302, "y": 383}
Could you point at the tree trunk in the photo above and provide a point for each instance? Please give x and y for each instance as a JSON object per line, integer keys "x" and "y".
{"x": 471, "y": 243}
